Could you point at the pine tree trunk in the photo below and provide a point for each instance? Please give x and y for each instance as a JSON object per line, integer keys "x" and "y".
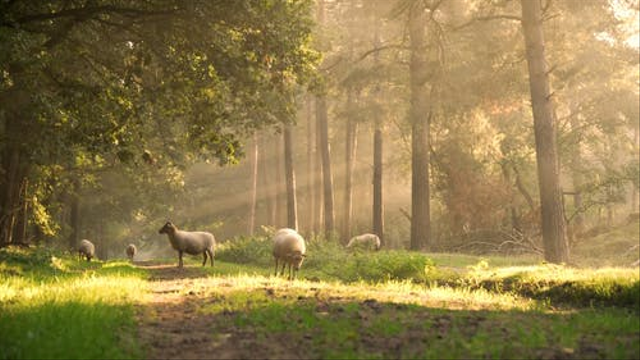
{"x": 311, "y": 156}
{"x": 277, "y": 189}
{"x": 292, "y": 205}
{"x": 350, "y": 158}
{"x": 254, "y": 185}
{"x": 378, "y": 201}
{"x": 553, "y": 226}
{"x": 327, "y": 178}
{"x": 74, "y": 221}
{"x": 419, "y": 117}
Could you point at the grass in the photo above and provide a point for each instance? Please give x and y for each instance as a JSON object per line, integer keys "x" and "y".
{"x": 52, "y": 306}
{"x": 387, "y": 304}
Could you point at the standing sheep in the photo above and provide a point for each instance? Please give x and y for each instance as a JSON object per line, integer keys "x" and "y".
{"x": 365, "y": 241}
{"x": 131, "y": 251}
{"x": 190, "y": 242}
{"x": 86, "y": 249}
{"x": 288, "y": 247}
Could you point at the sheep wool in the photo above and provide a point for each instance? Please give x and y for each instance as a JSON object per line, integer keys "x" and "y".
{"x": 190, "y": 242}
{"x": 288, "y": 248}
{"x": 131, "y": 251}
{"x": 86, "y": 249}
{"x": 365, "y": 241}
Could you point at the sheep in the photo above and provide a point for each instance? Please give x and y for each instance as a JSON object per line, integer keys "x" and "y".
{"x": 86, "y": 249}
{"x": 288, "y": 247}
{"x": 190, "y": 242}
{"x": 131, "y": 251}
{"x": 365, "y": 241}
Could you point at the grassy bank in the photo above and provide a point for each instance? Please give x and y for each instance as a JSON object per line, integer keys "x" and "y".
{"x": 52, "y": 306}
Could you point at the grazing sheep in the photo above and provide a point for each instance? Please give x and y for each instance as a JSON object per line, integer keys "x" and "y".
{"x": 190, "y": 242}
{"x": 131, "y": 251}
{"x": 288, "y": 247}
{"x": 86, "y": 249}
{"x": 365, "y": 241}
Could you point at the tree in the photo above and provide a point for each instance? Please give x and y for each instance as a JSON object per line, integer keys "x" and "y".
{"x": 115, "y": 79}
{"x": 292, "y": 204}
{"x": 419, "y": 115}
{"x": 553, "y": 225}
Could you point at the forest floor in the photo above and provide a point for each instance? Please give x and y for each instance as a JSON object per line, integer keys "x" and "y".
{"x": 192, "y": 313}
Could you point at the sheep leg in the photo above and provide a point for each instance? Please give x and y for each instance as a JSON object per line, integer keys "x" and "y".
{"x": 204, "y": 254}
{"x": 276, "y": 272}
{"x": 180, "y": 259}
{"x": 284, "y": 264}
{"x": 210, "y": 252}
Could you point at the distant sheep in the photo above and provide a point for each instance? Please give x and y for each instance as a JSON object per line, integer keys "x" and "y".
{"x": 365, "y": 241}
{"x": 190, "y": 242}
{"x": 289, "y": 248}
{"x": 86, "y": 249}
{"x": 131, "y": 251}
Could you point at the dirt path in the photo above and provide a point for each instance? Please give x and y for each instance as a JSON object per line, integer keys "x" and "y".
{"x": 172, "y": 327}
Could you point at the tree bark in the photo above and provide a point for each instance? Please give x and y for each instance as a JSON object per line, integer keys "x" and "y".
{"x": 420, "y": 119}
{"x": 311, "y": 156}
{"x": 254, "y": 185}
{"x": 378, "y": 201}
{"x": 292, "y": 205}
{"x": 277, "y": 189}
{"x": 74, "y": 237}
{"x": 350, "y": 158}
{"x": 556, "y": 249}
{"x": 327, "y": 178}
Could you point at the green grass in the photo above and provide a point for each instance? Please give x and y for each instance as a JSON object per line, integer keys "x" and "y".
{"x": 372, "y": 305}
{"x": 52, "y": 306}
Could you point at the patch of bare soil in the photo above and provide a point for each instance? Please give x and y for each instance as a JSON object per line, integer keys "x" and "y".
{"x": 171, "y": 327}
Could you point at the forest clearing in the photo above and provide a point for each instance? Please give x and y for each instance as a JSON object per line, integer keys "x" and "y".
{"x": 430, "y": 178}
{"x": 382, "y": 305}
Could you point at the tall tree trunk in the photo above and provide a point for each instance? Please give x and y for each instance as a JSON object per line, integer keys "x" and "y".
{"x": 350, "y": 160}
{"x": 311, "y": 157}
{"x": 266, "y": 174}
{"x": 254, "y": 185}
{"x": 327, "y": 178}
{"x": 420, "y": 119}
{"x": 20, "y": 232}
{"x": 290, "y": 175}
{"x": 556, "y": 249}
{"x": 278, "y": 191}
{"x": 634, "y": 189}
{"x": 10, "y": 205}
{"x": 318, "y": 190}
{"x": 378, "y": 201}
{"x": 74, "y": 198}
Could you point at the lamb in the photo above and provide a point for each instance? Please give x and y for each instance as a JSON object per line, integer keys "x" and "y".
{"x": 366, "y": 241}
{"x": 86, "y": 249}
{"x": 288, "y": 247}
{"x": 131, "y": 251}
{"x": 190, "y": 242}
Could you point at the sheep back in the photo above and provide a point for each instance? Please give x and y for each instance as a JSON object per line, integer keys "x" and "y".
{"x": 286, "y": 243}
{"x": 367, "y": 241}
{"x": 131, "y": 251}
{"x": 87, "y": 249}
{"x": 192, "y": 242}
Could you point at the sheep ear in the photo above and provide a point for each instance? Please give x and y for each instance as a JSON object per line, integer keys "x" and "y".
{"x": 304, "y": 255}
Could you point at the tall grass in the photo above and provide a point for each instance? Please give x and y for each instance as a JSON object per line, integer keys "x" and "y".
{"x": 52, "y": 306}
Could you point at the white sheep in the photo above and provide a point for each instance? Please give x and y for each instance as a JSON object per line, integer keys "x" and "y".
{"x": 131, "y": 251}
{"x": 190, "y": 242}
{"x": 288, "y": 247}
{"x": 86, "y": 249}
{"x": 365, "y": 241}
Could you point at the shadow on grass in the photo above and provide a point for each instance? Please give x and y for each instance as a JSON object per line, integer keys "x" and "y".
{"x": 263, "y": 323}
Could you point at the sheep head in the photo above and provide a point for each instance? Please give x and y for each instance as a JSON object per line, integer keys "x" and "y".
{"x": 296, "y": 259}
{"x": 168, "y": 228}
